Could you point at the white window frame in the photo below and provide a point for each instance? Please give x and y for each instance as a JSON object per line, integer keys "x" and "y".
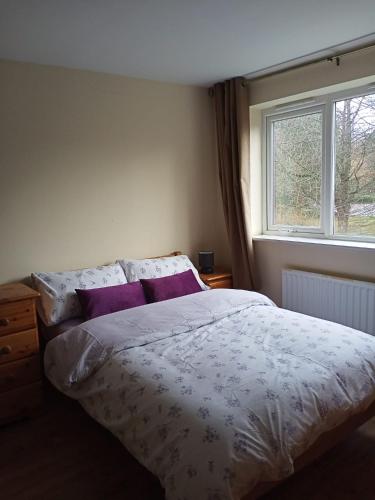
{"x": 326, "y": 105}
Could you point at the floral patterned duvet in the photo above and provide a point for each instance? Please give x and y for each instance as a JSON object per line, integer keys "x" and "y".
{"x": 217, "y": 391}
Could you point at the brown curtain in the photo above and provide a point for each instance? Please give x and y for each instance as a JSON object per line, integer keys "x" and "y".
{"x": 232, "y": 129}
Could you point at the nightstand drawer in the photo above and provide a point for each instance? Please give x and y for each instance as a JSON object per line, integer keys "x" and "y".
{"x": 19, "y": 373}
{"x": 218, "y": 279}
{"x": 20, "y": 402}
{"x": 225, "y": 283}
{"x": 16, "y": 316}
{"x": 18, "y": 346}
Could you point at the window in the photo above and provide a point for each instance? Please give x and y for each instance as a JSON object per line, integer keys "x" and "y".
{"x": 320, "y": 166}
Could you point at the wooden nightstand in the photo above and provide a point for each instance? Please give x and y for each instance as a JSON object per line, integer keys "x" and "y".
{"x": 218, "y": 279}
{"x": 20, "y": 370}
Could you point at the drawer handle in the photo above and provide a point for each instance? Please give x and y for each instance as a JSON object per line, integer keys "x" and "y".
{"x": 4, "y": 321}
{"x": 7, "y": 349}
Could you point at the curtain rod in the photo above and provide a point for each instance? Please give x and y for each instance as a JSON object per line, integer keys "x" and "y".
{"x": 336, "y": 58}
{"x": 330, "y": 58}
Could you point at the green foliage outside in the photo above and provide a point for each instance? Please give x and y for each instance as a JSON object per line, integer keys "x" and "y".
{"x": 297, "y": 146}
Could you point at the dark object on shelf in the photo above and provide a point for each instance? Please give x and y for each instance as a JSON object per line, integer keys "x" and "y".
{"x": 206, "y": 262}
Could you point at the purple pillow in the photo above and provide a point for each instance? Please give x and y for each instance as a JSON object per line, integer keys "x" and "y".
{"x": 99, "y": 301}
{"x": 170, "y": 287}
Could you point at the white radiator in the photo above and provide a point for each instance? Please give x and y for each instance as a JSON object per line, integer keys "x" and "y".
{"x": 345, "y": 301}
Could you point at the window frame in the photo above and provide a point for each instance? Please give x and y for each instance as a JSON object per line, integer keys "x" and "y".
{"x": 326, "y": 103}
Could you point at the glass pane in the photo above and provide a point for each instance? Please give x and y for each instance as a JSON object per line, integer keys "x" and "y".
{"x": 355, "y": 166}
{"x": 297, "y": 163}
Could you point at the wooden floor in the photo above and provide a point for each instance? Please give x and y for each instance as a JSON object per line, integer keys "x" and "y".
{"x": 64, "y": 455}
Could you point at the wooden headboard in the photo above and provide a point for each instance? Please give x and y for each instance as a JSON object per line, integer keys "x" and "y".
{"x": 172, "y": 254}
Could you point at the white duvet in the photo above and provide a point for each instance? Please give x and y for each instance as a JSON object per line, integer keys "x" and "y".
{"x": 216, "y": 391}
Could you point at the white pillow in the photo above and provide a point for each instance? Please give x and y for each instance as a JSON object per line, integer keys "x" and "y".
{"x": 158, "y": 268}
{"x": 58, "y": 299}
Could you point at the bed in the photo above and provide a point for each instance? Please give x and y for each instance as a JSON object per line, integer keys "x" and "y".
{"x": 220, "y": 394}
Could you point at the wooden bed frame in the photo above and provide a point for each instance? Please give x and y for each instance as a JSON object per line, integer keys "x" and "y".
{"x": 323, "y": 444}
{"x": 172, "y": 254}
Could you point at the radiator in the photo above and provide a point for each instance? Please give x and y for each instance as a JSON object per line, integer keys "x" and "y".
{"x": 345, "y": 301}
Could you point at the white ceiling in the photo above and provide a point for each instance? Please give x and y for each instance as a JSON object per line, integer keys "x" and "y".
{"x": 186, "y": 41}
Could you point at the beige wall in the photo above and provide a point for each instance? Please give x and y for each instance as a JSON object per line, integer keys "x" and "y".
{"x": 273, "y": 256}
{"x": 94, "y": 167}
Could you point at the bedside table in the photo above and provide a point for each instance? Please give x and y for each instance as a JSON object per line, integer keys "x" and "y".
{"x": 218, "y": 279}
{"x": 20, "y": 370}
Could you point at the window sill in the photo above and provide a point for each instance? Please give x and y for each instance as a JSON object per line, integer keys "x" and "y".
{"x": 316, "y": 241}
